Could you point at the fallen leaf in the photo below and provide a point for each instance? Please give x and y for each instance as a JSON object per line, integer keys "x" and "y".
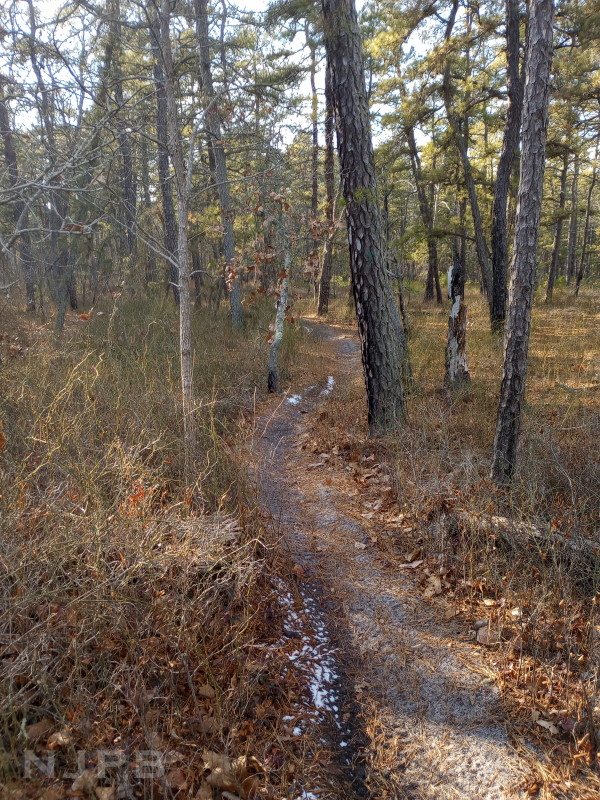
{"x": 106, "y": 792}
{"x": 239, "y": 776}
{"x": 204, "y": 792}
{"x": 86, "y": 781}
{"x": 433, "y": 587}
{"x": 207, "y": 692}
{"x": 411, "y": 565}
{"x": 360, "y": 545}
{"x": 414, "y": 554}
{"x": 176, "y": 779}
{"x": 39, "y": 729}
{"x": 487, "y": 637}
{"x": 59, "y": 739}
{"x": 549, "y": 726}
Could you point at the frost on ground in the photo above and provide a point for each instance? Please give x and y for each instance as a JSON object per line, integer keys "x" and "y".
{"x": 435, "y": 727}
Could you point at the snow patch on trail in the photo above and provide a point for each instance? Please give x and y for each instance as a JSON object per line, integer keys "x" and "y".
{"x": 329, "y": 388}
{"x": 314, "y": 658}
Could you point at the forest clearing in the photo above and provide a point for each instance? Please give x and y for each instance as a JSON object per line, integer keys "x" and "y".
{"x": 299, "y": 400}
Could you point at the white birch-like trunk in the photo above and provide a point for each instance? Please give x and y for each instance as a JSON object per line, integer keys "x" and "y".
{"x": 457, "y": 368}
{"x": 183, "y": 185}
{"x": 273, "y": 380}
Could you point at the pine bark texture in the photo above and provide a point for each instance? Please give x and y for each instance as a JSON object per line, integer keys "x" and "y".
{"x": 510, "y": 144}
{"x": 524, "y": 259}
{"x": 326, "y": 269}
{"x": 215, "y": 143}
{"x": 383, "y": 344}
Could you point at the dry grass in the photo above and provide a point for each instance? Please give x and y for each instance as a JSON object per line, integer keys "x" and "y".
{"x": 539, "y": 593}
{"x": 137, "y": 613}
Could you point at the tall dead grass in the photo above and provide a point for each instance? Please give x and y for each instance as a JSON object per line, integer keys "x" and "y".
{"x": 527, "y": 558}
{"x": 131, "y": 604}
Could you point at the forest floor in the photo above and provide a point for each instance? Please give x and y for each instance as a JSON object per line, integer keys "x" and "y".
{"x": 403, "y": 682}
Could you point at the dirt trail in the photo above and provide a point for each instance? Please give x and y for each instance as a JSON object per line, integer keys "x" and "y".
{"x": 430, "y": 724}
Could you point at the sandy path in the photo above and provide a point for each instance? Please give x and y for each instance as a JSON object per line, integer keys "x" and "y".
{"x": 430, "y": 723}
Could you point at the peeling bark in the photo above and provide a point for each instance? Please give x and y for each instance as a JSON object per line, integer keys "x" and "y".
{"x": 273, "y": 379}
{"x": 457, "y": 368}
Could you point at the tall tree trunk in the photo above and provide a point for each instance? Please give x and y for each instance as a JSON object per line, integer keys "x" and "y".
{"x": 145, "y": 176}
{"x": 553, "y": 271}
{"x": 273, "y": 379}
{"x": 433, "y": 272}
{"x": 128, "y": 183}
{"x": 586, "y": 227}
{"x": 383, "y": 344}
{"x": 20, "y": 211}
{"x": 58, "y": 206}
{"x": 314, "y": 117}
{"x": 183, "y": 188}
{"x": 457, "y": 368}
{"x": 164, "y": 171}
{"x": 456, "y": 125}
{"x": 573, "y": 222}
{"x": 510, "y": 144}
{"x": 215, "y": 143}
{"x": 325, "y": 279}
{"x": 524, "y": 258}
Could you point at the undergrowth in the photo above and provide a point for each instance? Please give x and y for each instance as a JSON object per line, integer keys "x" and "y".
{"x": 526, "y": 559}
{"x": 132, "y": 605}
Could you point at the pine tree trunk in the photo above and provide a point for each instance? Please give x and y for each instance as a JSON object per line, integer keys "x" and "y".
{"x": 586, "y": 227}
{"x": 433, "y": 272}
{"x": 325, "y": 279}
{"x": 273, "y": 379}
{"x": 145, "y": 175}
{"x": 164, "y": 172}
{"x": 20, "y": 211}
{"x": 524, "y": 258}
{"x": 215, "y": 143}
{"x": 383, "y": 344}
{"x": 573, "y": 222}
{"x": 456, "y": 125}
{"x": 183, "y": 188}
{"x": 457, "y": 368}
{"x": 510, "y": 144}
{"x": 553, "y": 271}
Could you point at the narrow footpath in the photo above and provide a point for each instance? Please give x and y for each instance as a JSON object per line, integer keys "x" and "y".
{"x": 408, "y": 712}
